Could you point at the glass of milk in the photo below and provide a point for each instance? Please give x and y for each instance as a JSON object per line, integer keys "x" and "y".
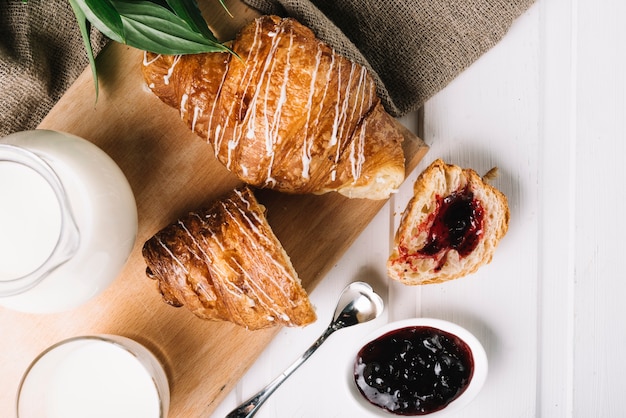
{"x": 99, "y": 376}
{"x": 68, "y": 221}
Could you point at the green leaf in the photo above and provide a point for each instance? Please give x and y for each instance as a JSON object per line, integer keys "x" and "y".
{"x": 161, "y": 26}
{"x": 84, "y": 25}
{"x": 154, "y": 28}
{"x": 188, "y": 11}
{"x": 226, "y": 8}
{"x": 103, "y": 15}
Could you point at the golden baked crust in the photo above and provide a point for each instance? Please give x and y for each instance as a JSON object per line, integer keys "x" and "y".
{"x": 420, "y": 255}
{"x": 225, "y": 263}
{"x": 288, "y": 114}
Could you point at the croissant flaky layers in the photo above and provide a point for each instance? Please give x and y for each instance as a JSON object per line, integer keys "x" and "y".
{"x": 288, "y": 113}
{"x": 224, "y": 263}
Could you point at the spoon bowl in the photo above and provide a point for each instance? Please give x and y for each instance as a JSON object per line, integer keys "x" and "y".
{"x": 357, "y": 304}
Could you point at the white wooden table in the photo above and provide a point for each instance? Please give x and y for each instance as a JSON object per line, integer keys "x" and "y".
{"x": 547, "y": 106}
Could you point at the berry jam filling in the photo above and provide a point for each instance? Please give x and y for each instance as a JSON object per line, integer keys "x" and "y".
{"x": 455, "y": 224}
{"x": 458, "y": 224}
{"x": 413, "y": 370}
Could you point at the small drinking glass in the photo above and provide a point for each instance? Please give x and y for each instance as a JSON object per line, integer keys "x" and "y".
{"x": 94, "y": 376}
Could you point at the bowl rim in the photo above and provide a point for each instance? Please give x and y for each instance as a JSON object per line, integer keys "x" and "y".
{"x": 140, "y": 353}
{"x": 474, "y": 387}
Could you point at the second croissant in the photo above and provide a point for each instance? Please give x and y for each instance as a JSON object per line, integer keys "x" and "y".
{"x": 288, "y": 113}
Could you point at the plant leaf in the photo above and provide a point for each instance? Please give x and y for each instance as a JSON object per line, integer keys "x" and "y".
{"x": 103, "y": 16}
{"x": 154, "y": 28}
{"x": 162, "y": 26}
{"x": 189, "y": 11}
{"x": 226, "y": 8}
{"x": 84, "y": 25}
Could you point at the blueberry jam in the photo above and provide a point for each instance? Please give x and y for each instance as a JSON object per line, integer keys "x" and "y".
{"x": 458, "y": 224}
{"x": 413, "y": 370}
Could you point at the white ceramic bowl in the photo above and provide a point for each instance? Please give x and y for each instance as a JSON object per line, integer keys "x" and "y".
{"x": 94, "y": 376}
{"x": 472, "y": 389}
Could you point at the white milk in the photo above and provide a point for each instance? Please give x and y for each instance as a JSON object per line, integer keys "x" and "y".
{"x": 101, "y": 222}
{"x": 30, "y": 220}
{"x": 95, "y": 378}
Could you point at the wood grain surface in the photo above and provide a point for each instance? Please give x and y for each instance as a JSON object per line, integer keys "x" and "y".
{"x": 171, "y": 172}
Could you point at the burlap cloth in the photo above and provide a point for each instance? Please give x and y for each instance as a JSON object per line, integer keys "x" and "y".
{"x": 413, "y": 47}
{"x": 41, "y": 54}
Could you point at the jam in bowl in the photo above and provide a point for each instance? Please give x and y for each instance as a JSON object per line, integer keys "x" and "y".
{"x": 419, "y": 367}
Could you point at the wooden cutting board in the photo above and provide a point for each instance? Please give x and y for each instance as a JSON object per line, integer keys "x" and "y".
{"x": 171, "y": 172}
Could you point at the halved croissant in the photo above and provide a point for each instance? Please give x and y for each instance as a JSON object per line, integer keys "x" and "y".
{"x": 450, "y": 227}
{"x": 225, "y": 263}
{"x": 288, "y": 113}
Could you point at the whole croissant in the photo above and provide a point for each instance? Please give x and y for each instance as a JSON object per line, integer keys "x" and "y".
{"x": 287, "y": 113}
{"x": 224, "y": 263}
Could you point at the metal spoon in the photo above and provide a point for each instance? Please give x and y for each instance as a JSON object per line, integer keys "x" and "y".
{"x": 357, "y": 304}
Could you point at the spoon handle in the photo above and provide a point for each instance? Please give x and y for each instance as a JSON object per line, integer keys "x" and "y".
{"x": 250, "y": 407}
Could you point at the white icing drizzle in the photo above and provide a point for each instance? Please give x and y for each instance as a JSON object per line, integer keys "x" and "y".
{"x": 270, "y": 181}
{"x": 197, "y": 111}
{"x": 259, "y": 235}
{"x": 220, "y": 131}
{"x": 261, "y": 296}
{"x": 213, "y": 106}
{"x": 170, "y": 71}
{"x": 274, "y": 131}
{"x": 248, "y": 76}
{"x": 333, "y": 135}
{"x": 209, "y": 257}
{"x": 264, "y": 77}
{"x": 172, "y": 255}
{"x": 198, "y": 286}
{"x": 232, "y": 145}
{"x": 329, "y": 77}
{"x": 244, "y": 84}
{"x": 249, "y": 222}
{"x": 342, "y": 117}
{"x": 306, "y": 146}
{"x": 152, "y": 61}
{"x": 268, "y": 126}
{"x": 357, "y": 145}
{"x": 218, "y": 128}
{"x": 183, "y": 105}
{"x": 357, "y": 152}
{"x": 254, "y": 237}
{"x": 359, "y": 94}
{"x": 219, "y": 138}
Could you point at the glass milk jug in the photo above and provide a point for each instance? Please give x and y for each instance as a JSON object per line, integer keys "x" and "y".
{"x": 68, "y": 221}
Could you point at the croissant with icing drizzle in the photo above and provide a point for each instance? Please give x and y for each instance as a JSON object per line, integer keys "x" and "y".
{"x": 288, "y": 113}
{"x": 224, "y": 263}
